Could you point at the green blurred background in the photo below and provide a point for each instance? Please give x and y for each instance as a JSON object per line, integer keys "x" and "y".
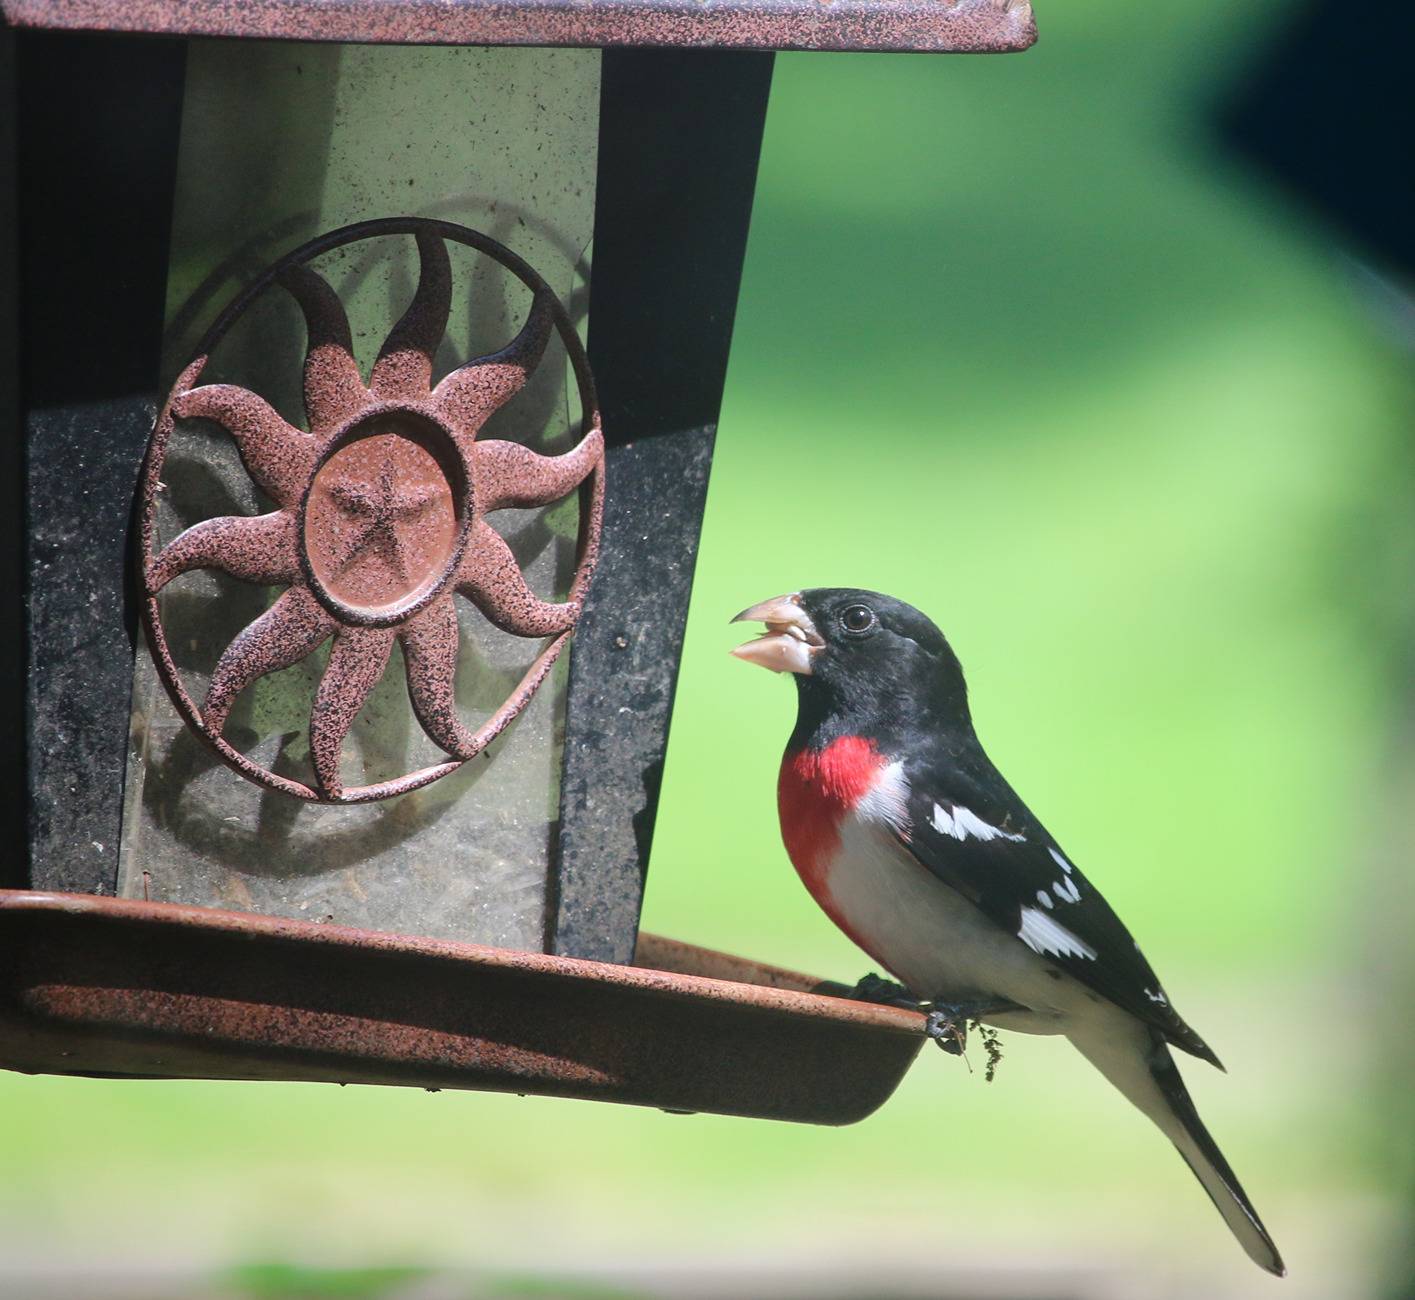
{"x": 1019, "y": 342}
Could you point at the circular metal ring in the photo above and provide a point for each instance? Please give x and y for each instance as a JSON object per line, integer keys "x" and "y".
{"x": 380, "y": 513}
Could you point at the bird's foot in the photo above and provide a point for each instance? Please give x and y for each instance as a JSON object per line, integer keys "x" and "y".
{"x": 874, "y": 988}
{"x": 948, "y": 1027}
{"x": 947, "y": 1024}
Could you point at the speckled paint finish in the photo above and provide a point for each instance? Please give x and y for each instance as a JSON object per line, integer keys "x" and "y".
{"x": 113, "y": 986}
{"x": 332, "y": 382}
{"x": 383, "y": 520}
{"x": 404, "y": 365}
{"x": 941, "y": 26}
{"x": 381, "y": 512}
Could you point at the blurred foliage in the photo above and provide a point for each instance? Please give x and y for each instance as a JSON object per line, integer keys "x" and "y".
{"x": 286, "y": 1281}
{"x": 1020, "y": 342}
{"x": 282, "y": 1281}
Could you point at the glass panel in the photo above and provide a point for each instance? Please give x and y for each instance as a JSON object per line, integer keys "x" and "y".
{"x": 281, "y": 142}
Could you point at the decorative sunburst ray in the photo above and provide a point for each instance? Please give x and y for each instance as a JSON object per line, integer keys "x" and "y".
{"x": 380, "y": 515}
{"x": 356, "y": 663}
{"x": 430, "y": 655}
{"x": 334, "y": 388}
{"x": 295, "y": 626}
{"x": 259, "y": 548}
{"x": 490, "y": 576}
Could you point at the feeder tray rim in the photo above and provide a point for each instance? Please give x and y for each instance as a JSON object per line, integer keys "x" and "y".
{"x": 793, "y": 993}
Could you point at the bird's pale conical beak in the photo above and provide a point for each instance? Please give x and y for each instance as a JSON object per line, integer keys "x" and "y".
{"x": 790, "y": 640}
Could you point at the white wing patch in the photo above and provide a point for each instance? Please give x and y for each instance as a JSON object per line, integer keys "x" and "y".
{"x": 1157, "y": 995}
{"x": 963, "y": 822}
{"x": 1044, "y": 934}
{"x": 1044, "y": 899}
{"x": 1067, "y": 890}
{"x": 1059, "y": 860}
{"x": 887, "y": 800}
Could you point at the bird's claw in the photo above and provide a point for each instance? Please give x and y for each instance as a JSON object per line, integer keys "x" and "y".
{"x": 945, "y": 1025}
{"x": 948, "y": 1027}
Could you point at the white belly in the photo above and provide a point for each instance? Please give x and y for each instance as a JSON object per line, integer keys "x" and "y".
{"x": 935, "y": 942}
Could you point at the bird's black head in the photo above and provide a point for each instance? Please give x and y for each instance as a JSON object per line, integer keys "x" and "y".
{"x": 860, "y": 659}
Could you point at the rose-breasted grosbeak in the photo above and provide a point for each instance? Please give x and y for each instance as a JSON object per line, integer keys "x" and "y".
{"x": 915, "y": 846}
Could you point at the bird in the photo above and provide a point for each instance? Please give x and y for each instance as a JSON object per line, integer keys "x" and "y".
{"x": 915, "y": 845}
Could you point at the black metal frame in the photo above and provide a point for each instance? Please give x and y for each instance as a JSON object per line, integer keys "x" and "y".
{"x": 680, "y": 134}
{"x": 13, "y": 793}
{"x": 95, "y": 206}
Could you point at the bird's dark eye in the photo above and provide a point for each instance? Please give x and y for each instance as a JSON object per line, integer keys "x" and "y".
{"x": 857, "y": 618}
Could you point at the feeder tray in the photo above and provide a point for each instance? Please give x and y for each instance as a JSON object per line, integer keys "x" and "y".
{"x": 118, "y": 988}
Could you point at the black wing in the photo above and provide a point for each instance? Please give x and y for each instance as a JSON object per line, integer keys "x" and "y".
{"x": 968, "y": 827}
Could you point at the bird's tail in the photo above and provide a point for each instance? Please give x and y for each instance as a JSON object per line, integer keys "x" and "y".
{"x": 1140, "y": 1065}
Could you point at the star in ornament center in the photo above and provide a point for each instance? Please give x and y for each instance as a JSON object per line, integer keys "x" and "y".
{"x": 381, "y": 520}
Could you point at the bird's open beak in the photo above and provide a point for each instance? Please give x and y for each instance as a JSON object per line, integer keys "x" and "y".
{"x": 790, "y": 640}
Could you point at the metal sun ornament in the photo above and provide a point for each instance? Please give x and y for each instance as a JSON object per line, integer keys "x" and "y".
{"x": 380, "y": 512}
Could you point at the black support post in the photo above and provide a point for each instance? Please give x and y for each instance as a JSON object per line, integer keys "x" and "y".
{"x": 680, "y": 135}
{"x": 14, "y": 838}
{"x": 97, "y": 130}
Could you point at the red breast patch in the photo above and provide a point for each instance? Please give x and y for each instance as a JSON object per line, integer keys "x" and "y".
{"x": 815, "y": 791}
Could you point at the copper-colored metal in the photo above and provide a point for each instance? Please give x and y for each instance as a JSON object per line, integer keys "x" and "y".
{"x": 965, "y": 26}
{"x": 108, "y": 986}
{"x": 381, "y": 517}
{"x": 657, "y": 952}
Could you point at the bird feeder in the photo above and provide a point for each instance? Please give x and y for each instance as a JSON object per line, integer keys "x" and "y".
{"x": 368, "y": 366}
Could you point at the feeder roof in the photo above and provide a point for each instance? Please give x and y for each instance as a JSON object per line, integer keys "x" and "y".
{"x": 925, "y": 26}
